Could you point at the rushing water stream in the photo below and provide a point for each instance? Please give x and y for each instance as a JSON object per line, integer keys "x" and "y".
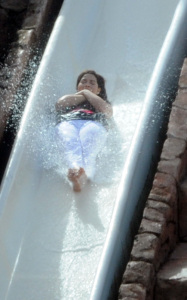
{"x": 52, "y": 239}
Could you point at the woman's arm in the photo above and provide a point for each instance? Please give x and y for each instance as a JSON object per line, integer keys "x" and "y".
{"x": 69, "y": 100}
{"x": 97, "y": 102}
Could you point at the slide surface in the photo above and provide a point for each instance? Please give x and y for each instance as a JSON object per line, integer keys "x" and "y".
{"x": 51, "y": 239}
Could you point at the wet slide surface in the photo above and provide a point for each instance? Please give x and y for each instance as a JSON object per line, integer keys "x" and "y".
{"x": 51, "y": 238}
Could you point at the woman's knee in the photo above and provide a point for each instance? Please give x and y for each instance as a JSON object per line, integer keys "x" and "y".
{"x": 93, "y": 129}
{"x": 93, "y": 136}
{"x": 66, "y": 131}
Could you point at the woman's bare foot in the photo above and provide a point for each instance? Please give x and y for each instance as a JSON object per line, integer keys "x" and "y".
{"x": 78, "y": 178}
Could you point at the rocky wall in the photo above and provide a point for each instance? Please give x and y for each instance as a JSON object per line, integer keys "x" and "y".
{"x": 25, "y": 26}
{"x": 160, "y": 228}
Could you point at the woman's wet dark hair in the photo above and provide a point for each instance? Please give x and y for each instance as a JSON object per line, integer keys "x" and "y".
{"x": 100, "y": 82}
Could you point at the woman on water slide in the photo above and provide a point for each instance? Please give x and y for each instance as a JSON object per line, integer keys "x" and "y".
{"x": 82, "y": 126}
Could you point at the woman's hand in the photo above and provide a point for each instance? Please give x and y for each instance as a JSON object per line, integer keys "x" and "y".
{"x": 97, "y": 102}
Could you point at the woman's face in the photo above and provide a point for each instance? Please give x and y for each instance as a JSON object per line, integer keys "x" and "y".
{"x": 89, "y": 82}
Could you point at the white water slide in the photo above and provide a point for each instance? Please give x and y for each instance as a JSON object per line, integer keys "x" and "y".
{"x": 54, "y": 243}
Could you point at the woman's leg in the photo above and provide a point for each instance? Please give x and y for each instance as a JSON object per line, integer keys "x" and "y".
{"x": 69, "y": 141}
{"x": 93, "y": 137}
{"x": 78, "y": 178}
{"x": 70, "y": 144}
